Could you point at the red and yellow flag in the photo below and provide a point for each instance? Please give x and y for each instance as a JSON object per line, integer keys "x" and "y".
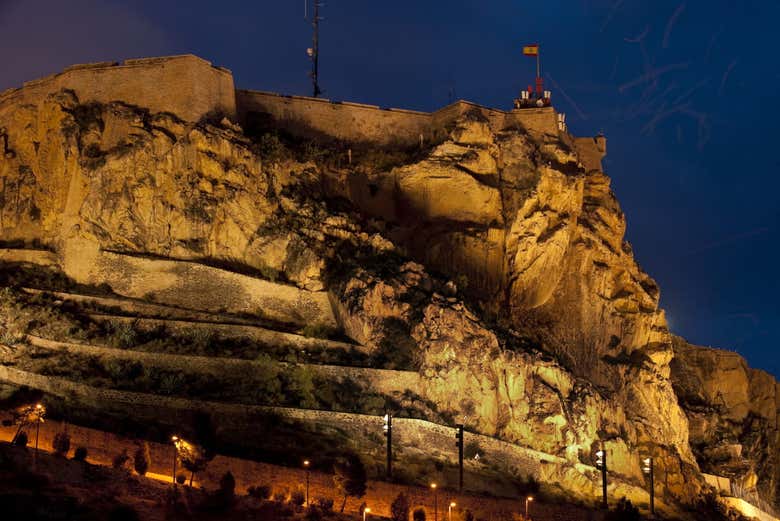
{"x": 531, "y": 50}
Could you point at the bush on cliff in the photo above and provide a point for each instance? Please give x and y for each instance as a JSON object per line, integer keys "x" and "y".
{"x": 349, "y": 478}
{"x": 399, "y": 509}
{"x": 80, "y": 454}
{"x": 624, "y": 511}
{"x": 120, "y": 460}
{"x": 142, "y": 459}
{"x": 260, "y": 492}
{"x": 61, "y": 443}
{"x": 21, "y": 439}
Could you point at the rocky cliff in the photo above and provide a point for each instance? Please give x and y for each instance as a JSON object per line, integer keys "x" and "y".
{"x": 492, "y": 261}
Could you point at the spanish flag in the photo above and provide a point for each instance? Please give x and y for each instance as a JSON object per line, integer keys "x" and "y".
{"x": 531, "y": 50}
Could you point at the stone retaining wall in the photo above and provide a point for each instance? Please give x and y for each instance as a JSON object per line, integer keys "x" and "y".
{"x": 415, "y": 440}
{"x": 253, "y": 333}
{"x": 381, "y": 381}
{"x": 103, "y": 446}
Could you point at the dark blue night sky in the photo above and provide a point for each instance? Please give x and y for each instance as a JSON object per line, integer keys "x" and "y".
{"x": 686, "y": 92}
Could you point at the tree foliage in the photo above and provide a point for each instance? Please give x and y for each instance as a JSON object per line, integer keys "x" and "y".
{"x": 61, "y": 443}
{"x": 349, "y": 478}
{"x": 399, "y": 509}
{"x": 142, "y": 458}
{"x": 624, "y": 511}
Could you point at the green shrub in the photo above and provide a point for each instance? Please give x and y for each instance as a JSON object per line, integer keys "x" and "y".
{"x": 317, "y": 330}
{"x": 399, "y": 509}
{"x": 325, "y": 504}
{"x": 21, "y": 439}
{"x": 270, "y": 147}
{"x": 281, "y": 494}
{"x": 260, "y": 492}
{"x": 181, "y": 478}
{"x": 624, "y": 511}
{"x": 298, "y": 497}
{"x": 313, "y": 514}
{"x": 227, "y": 484}
{"x": 120, "y": 460}
{"x": 142, "y": 459}
{"x": 61, "y": 443}
{"x": 419, "y": 514}
{"x": 80, "y": 454}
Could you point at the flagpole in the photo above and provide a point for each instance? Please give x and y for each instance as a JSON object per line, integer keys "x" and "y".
{"x": 538, "y": 57}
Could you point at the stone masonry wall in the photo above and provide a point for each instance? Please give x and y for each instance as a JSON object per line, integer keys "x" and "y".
{"x": 354, "y": 122}
{"x": 415, "y": 440}
{"x": 317, "y": 117}
{"x": 191, "y": 88}
{"x": 103, "y": 446}
{"x": 186, "y": 85}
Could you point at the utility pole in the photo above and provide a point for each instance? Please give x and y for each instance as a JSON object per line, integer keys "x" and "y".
{"x": 314, "y": 50}
{"x": 388, "y": 428}
{"x": 459, "y": 444}
{"x": 601, "y": 463}
{"x": 648, "y": 469}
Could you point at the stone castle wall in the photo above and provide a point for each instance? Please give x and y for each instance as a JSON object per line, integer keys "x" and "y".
{"x": 192, "y": 88}
{"x": 354, "y": 122}
{"x": 317, "y": 117}
{"x": 187, "y": 86}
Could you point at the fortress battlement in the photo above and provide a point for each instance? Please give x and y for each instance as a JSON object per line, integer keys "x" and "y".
{"x": 193, "y": 88}
{"x": 185, "y": 85}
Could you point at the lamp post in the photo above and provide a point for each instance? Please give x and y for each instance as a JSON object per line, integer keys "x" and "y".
{"x": 435, "y": 502}
{"x": 40, "y": 411}
{"x": 449, "y": 511}
{"x": 175, "y": 440}
{"x": 388, "y": 429}
{"x": 527, "y": 501}
{"x": 601, "y": 463}
{"x": 459, "y": 444}
{"x": 648, "y": 469}
{"x": 365, "y": 511}
{"x": 306, "y": 466}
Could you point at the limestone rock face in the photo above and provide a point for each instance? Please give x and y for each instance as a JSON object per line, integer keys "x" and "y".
{"x": 733, "y": 412}
{"x": 493, "y": 262}
{"x": 114, "y": 177}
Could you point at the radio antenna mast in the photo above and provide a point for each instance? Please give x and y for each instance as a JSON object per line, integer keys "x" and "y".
{"x": 314, "y": 50}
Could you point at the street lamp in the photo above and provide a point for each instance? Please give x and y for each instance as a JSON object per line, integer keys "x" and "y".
{"x": 175, "y": 440}
{"x": 40, "y": 411}
{"x": 388, "y": 430}
{"x": 647, "y": 468}
{"x": 449, "y": 511}
{"x": 306, "y": 466}
{"x": 601, "y": 463}
{"x": 527, "y": 501}
{"x": 365, "y": 511}
{"x": 435, "y": 503}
